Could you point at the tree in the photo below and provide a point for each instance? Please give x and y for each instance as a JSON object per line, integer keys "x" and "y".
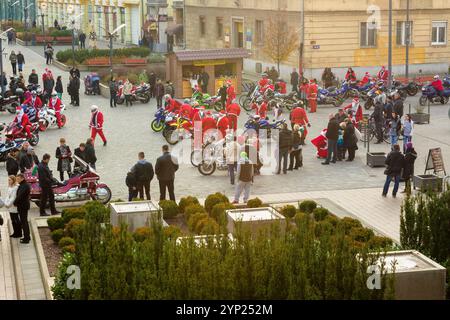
{"x": 280, "y": 41}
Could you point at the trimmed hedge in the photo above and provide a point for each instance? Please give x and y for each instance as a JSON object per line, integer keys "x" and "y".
{"x": 55, "y": 223}
{"x": 57, "y": 235}
{"x": 186, "y": 201}
{"x": 66, "y": 241}
{"x": 193, "y": 209}
{"x": 73, "y": 213}
{"x": 214, "y": 199}
{"x": 169, "y": 208}
{"x": 84, "y": 54}
{"x": 307, "y": 206}
{"x": 288, "y": 211}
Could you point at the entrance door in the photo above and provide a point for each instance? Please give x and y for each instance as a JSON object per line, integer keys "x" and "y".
{"x": 238, "y": 33}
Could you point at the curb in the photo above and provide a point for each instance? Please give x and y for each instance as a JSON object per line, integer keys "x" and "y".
{"x": 20, "y": 286}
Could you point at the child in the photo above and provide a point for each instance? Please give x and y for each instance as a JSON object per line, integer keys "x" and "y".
{"x": 130, "y": 181}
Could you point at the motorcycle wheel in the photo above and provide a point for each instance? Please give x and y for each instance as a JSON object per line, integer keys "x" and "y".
{"x": 368, "y": 104}
{"x": 12, "y": 108}
{"x": 337, "y": 103}
{"x": 173, "y": 137}
{"x": 63, "y": 120}
{"x": 146, "y": 98}
{"x": 196, "y": 157}
{"x": 207, "y": 169}
{"x": 242, "y": 99}
{"x": 412, "y": 91}
{"x": 34, "y": 140}
{"x": 120, "y": 100}
{"x": 43, "y": 126}
{"x": 423, "y": 101}
{"x": 218, "y": 106}
{"x": 104, "y": 199}
{"x": 157, "y": 126}
{"x": 246, "y": 104}
{"x": 167, "y": 130}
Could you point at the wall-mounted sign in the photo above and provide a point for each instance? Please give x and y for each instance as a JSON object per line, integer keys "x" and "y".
{"x": 248, "y": 39}
{"x": 202, "y": 63}
{"x": 316, "y": 47}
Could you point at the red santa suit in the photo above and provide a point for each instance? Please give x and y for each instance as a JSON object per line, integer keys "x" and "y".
{"x": 231, "y": 94}
{"x": 282, "y": 87}
{"x": 173, "y": 105}
{"x": 186, "y": 111}
{"x": 223, "y": 124}
{"x": 383, "y": 74}
{"x": 233, "y": 112}
{"x": 55, "y": 104}
{"x": 321, "y": 143}
{"x": 298, "y": 116}
{"x": 22, "y": 120}
{"x": 365, "y": 80}
{"x": 35, "y": 102}
{"x": 96, "y": 125}
{"x": 356, "y": 107}
{"x": 261, "y": 109}
{"x": 208, "y": 123}
{"x": 263, "y": 82}
{"x": 312, "y": 97}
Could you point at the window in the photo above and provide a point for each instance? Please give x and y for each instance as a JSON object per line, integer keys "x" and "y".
{"x": 402, "y": 32}
{"x": 219, "y": 24}
{"x": 368, "y": 35}
{"x": 202, "y": 26}
{"x": 259, "y": 32}
{"x": 439, "y": 33}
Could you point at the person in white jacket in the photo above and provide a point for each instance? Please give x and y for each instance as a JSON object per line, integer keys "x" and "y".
{"x": 8, "y": 202}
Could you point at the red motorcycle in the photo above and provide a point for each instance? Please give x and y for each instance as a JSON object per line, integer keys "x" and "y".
{"x": 13, "y": 132}
{"x": 83, "y": 185}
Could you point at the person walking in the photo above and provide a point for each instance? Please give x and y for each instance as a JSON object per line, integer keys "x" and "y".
{"x": 22, "y": 203}
{"x": 294, "y": 80}
{"x": 296, "y": 152}
{"x": 20, "y": 61}
{"x": 245, "y": 175}
{"x": 143, "y": 172}
{"x": 89, "y": 153}
{"x": 285, "y": 147}
{"x": 49, "y": 54}
{"x": 59, "y": 87}
{"x": 131, "y": 183}
{"x": 395, "y": 162}
{"x": 96, "y": 124}
{"x": 408, "y": 126}
{"x": 332, "y": 137}
{"x": 127, "y": 87}
{"x": 82, "y": 39}
{"x": 113, "y": 93}
{"x": 64, "y": 156}
{"x": 45, "y": 182}
{"x": 350, "y": 140}
{"x": 8, "y": 202}
{"x": 165, "y": 169}
{"x": 12, "y": 162}
{"x": 13, "y": 60}
{"x": 159, "y": 93}
{"x": 408, "y": 169}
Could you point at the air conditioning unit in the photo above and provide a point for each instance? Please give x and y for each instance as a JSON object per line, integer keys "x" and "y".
{"x": 258, "y": 67}
{"x": 254, "y": 219}
{"x": 136, "y": 214}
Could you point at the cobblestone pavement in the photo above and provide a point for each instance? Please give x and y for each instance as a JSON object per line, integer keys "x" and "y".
{"x": 128, "y": 132}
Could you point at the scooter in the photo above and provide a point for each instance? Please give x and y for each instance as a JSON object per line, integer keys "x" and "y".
{"x": 47, "y": 118}
{"x": 83, "y": 185}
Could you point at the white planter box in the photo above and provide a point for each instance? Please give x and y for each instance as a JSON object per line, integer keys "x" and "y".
{"x": 254, "y": 219}
{"x": 135, "y": 214}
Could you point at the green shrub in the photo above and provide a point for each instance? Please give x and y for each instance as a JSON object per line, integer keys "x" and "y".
{"x": 61, "y": 33}
{"x": 70, "y": 248}
{"x": 66, "y": 241}
{"x": 214, "y": 199}
{"x": 73, "y": 226}
{"x": 169, "y": 208}
{"x": 323, "y": 228}
{"x": 84, "y": 54}
{"x": 320, "y": 213}
{"x": 142, "y": 233}
{"x": 55, "y": 223}
{"x": 194, "y": 219}
{"x": 307, "y": 206}
{"x": 73, "y": 213}
{"x": 57, "y": 235}
{"x": 187, "y": 201}
{"x": 172, "y": 232}
{"x": 254, "y": 203}
{"x": 207, "y": 226}
{"x": 361, "y": 234}
{"x": 288, "y": 211}
{"x": 218, "y": 212}
{"x": 332, "y": 219}
{"x": 300, "y": 216}
{"x": 349, "y": 223}
{"x": 378, "y": 242}
{"x": 193, "y": 209}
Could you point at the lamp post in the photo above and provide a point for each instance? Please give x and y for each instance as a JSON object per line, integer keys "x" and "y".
{"x": 26, "y": 21}
{"x": 42, "y": 8}
{"x": 408, "y": 40}
{"x": 110, "y": 36}
{"x": 390, "y": 46}
{"x": 1, "y": 60}
{"x": 70, "y": 11}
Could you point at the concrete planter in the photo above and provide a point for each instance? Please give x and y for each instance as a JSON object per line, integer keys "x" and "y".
{"x": 428, "y": 182}
{"x": 104, "y": 90}
{"x": 420, "y": 117}
{"x": 376, "y": 159}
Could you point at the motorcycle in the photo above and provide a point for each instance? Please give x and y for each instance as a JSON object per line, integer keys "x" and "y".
{"x": 83, "y": 185}
{"x": 430, "y": 94}
{"x": 158, "y": 123}
{"x": 7, "y": 146}
{"x": 371, "y": 95}
{"x": 255, "y": 123}
{"x": 9, "y": 104}
{"x": 346, "y": 91}
{"x": 179, "y": 129}
{"x": 405, "y": 90}
{"x": 139, "y": 93}
{"x": 207, "y": 101}
{"x": 47, "y": 118}
{"x": 13, "y": 132}
{"x": 213, "y": 159}
{"x": 31, "y": 113}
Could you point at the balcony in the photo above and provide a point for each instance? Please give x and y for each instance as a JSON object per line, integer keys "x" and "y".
{"x": 157, "y": 3}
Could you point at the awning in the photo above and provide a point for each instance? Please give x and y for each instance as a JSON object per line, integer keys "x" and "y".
{"x": 174, "y": 29}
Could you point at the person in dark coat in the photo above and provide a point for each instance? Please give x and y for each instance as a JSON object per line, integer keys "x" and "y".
{"x": 395, "y": 162}
{"x": 22, "y": 203}
{"x": 294, "y": 80}
{"x": 296, "y": 153}
{"x": 350, "y": 140}
{"x": 28, "y": 161}
{"x": 165, "y": 169}
{"x": 408, "y": 169}
{"x": 131, "y": 183}
{"x": 12, "y": 162}
{"x": 64, "y": 156}
{"x": 328, "y": 77}
{"x": 113, "y": 87}
{"x": 204, "y": 80}
{"x": 82, "y": 38}
{"x": 75, "y": 89}
{"x": 152, "y": 83}
{"x": 33, "y": 78}
{"x": 332, "y": 137}
{"x": 143, "y": 171}
{"x": 80, "y": 152}
{"x": 223, "y": 94}
{"x": 75, "y": 72}
{"x": 398, "y": 105}
{"x": 59, "y": 87}
{"x": 70, "y": 89}
{"x": 285, "y": 146}
{"x": 20, "y": 61}
{"x": 169, "y": 89}
{"x": 378, "y": 118}
{"x": 46, "y": 182}
{"x": 159, "y": 93}
{"x": 89, "y": 151}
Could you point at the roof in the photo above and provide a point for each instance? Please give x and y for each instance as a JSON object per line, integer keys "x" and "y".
{"x": 212, "y": 54}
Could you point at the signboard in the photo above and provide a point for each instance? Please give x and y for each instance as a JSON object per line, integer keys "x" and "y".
{"x": 248, "y": 39}
{"x": 202, "y": 63}
{"x": 316, "y": 47}
{"x": 435, "y": 161}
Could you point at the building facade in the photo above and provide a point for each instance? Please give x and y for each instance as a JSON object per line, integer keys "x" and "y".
{"x": 336, "y": 34}
{"x": 18, "y": 10}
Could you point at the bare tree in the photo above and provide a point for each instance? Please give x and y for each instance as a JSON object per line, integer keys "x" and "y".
{"x": 280, "y": 41}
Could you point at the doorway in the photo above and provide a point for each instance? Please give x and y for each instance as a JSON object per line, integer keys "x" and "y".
{"x": 238, "y": 33}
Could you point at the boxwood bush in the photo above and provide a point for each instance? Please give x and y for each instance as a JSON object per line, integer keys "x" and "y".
{"x": 57, "y": 235}
{"x": 254, "y": 203}
{"x": 307, "y": 206}
{"x": 66, "y": 241}
{"x": 187, "y": 201}
{"x": 55, "y": 223}
{"x": 169, "y": 208}
{"x": 84, "y": 54}
{"x": 288, "y": 211}
{"x": 73, "y": 213}
{"x": 193, "y": 209}
{"x": 214, "y": 199}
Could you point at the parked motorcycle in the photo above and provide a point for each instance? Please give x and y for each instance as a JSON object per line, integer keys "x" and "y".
{"x": 7, "y": 146}
{"x": 83, "y": 185}
{"x": 430, "y": 94}
{"x": 13, "y": 132}
{"x": 158, "y": 123}
{"x": 139, "y": 93}
{"x": 178, "y": 130}
{"x": 213, "y": 159}
{"x": 47, "y": 118}
{"x": 255, "y": 123}
{"x": 9, "y": 104}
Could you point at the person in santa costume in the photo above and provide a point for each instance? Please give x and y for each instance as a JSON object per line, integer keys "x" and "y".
{"x": 223, "y": 124}
{"x": 280, "y": 86}
{"x": 357, "y": 110}
{"x": 383, "y": 75}
{"x": 55, "y": 104}
{"x": 263, "y": 82}
{"x": 321, "y": 143}
{"x": 312, "y": 96}
{"x": 365, "y": 80}
{"x": 298, "y": 116}
{"x": 96, "y": 124}
{"x": 231, "y": 93}
{"x": 22, "y": 121}
{"x": 208, "y": 123}
{"x": 186, "y": 109}
{"x": 172, "y": 105}
{"x": 233, "y": 112}
{"x": 260, "y": 107}
{"x": 34, "y": 101}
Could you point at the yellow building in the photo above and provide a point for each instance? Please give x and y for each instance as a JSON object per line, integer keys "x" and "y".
{"x": 335, "y": 33}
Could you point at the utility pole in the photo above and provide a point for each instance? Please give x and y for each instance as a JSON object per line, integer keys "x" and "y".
{"x": 110, "y": 36}
{"x": 42, "y": 7}
{"x": 408, "y": 40}
{"x": 302, "y": 43}
{"x": 390, "y": 46}
{"x": 1, "y": 61}
{"x": 26, "y": 22}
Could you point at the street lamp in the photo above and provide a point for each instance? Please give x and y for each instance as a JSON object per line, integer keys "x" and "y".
{"x": 70, "y": 10}
{"x": 111, "y": 36}
{"x": 42, "y": 8}
{"x": 26, "y": 21}
{"x": 1, "y": 60}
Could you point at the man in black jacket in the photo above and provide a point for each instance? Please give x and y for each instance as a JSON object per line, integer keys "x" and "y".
{"x": 165, "y": 169}
{"x": 12, "y": 162}
{"x": 22, "y": 203}
{"x": 204, "y": 77}
{"x": 75, "y": 91}
{"x": 82, "y": 38}
{"x": 398, "y": 105}
{"x": 377, "y": 116}
{"x": 143, "y": 171}
{"x": 28, "y": 160}
{"x": 45, "y": 182}
{"x": 395, "y": 163}
{"x": 294, "y": 80}
{"x": 285, "y": 146}
{"x": 332, "y": 137}
{"x": 89, "y": 153}
{"x": 33, "y": 78}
